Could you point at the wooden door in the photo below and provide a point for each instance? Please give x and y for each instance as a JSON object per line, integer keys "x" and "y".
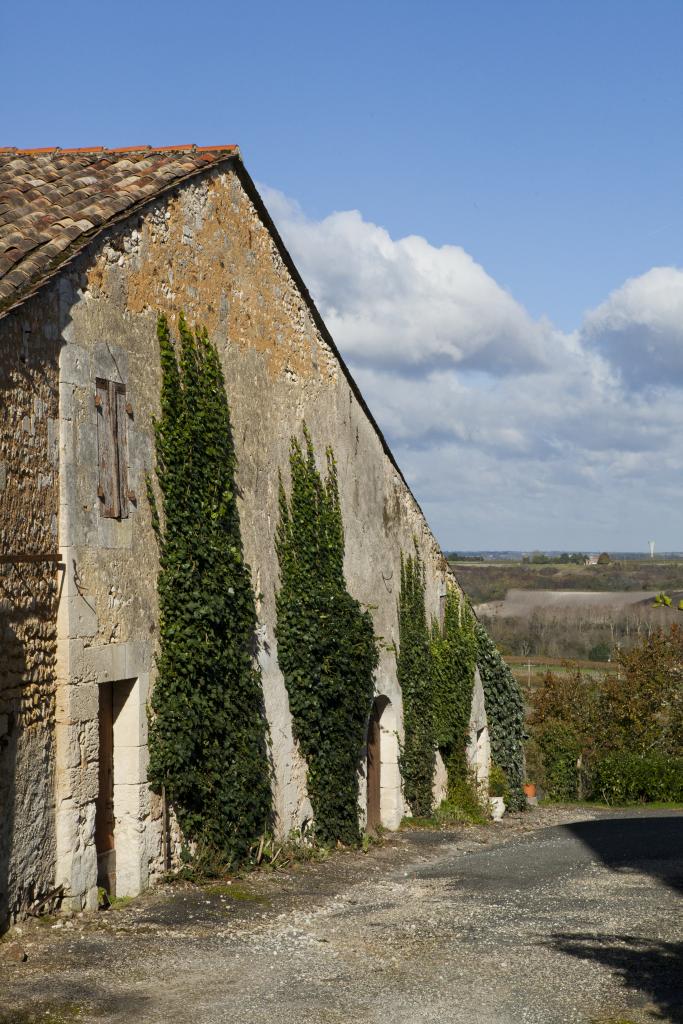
{"x": 374, "y": 770}
{"x": 104, "y": 806}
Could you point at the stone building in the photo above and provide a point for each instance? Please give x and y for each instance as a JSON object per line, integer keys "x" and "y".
{"x": 93, "y": 245}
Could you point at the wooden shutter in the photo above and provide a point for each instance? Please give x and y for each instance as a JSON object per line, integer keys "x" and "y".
{"x": 121, "y": 438}
{"x": 107, "y": 489}
{"x": 112, "y": 448}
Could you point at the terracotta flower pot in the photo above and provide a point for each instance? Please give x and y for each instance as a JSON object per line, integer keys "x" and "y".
{"x": 530, "y": 789}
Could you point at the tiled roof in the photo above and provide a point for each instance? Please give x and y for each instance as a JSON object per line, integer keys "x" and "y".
{"x": 53, "y": 201}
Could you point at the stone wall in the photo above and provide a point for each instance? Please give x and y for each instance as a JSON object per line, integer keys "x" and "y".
{"x": 28, "y": 602}
{"x": 205, "y": 250}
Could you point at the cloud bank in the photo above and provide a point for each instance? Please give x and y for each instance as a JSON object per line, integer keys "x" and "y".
{"x": 511, "y": 432}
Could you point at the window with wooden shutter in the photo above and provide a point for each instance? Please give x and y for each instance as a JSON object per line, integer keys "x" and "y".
{"x": 112, "y": 447}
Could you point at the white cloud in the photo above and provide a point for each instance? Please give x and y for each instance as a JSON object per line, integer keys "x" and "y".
{"x": 640, "y": 328}
{"x": 511, "y": 432}
{"x": 406, "y": 303}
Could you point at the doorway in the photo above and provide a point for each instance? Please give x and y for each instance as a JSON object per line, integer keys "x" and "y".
{"x": 374, "y": 770}
{"x": 104, "y": 805}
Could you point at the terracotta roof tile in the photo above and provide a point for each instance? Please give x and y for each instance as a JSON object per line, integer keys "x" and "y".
{"x": 53, "y": 201}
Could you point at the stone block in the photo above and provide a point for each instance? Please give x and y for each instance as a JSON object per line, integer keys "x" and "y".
{"x": 89, "y": 740}
{"x": 76, "y": 616}
{"x": 132, "y": 803}
{"x": 66, "y": 830}
{"x": 77, "y": 703}
{"x": 130, "y": 727}
{"x": 139, "y": 656}
{"x": 115, "y": 533}
{"x": 130, "y": 765}
{"x": 390, "y": 776}
{"x": 74, "y": 364}
{"x": 107, "y": 662}
{"x": 82, "y": 783}
{"x": 132, "y": 864}
{"x": 68, "y": 746}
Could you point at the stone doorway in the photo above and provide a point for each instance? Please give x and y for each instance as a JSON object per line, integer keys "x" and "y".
{"x": 119, "y": 813}
{"x": 374, "y": 773}
{"x": 384, "y": 802}
{"x": 104, "y": 805}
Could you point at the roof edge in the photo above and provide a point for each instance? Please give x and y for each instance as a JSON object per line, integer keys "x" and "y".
{"x": 232, "y": 153}
{"x": 83, "y": 241}
{"x": 262, "y": 209}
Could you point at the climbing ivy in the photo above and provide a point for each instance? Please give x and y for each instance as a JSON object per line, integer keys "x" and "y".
{"x": 505, "y": 714}
{"x": 207, "y": 731}
{"x": 326, "y": 645}
{"x": 454, "y": 656}
{"x": 414, "y": 671}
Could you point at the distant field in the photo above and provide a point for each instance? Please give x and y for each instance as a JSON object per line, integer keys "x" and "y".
{"x": 531, "y": 669}
{"x": 568, "y": 611}
{"x": 489, "y": 581}
{"x": 540, "y": 663}
{"x": 522, "y": 603}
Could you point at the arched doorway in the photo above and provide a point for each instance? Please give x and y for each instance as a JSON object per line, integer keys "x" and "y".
{"x": 374, "y": 771}
{"x": 384, "y": 801}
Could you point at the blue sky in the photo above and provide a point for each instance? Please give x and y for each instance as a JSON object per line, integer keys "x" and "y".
{"x": 540, "y": 139}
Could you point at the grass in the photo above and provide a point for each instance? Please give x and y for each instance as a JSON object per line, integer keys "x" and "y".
{"x": 654, "y": 805}
{"x": 235, "y": 892}
{"x": 64, "y": 1013}
{"x": 612, "y": 1020}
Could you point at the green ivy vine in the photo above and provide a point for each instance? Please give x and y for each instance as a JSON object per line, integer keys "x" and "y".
{"x": 415, "y": 677}
{"x": 208, "y": 735}
{"x": 326, "y": 645}
{"x": 505, "y": 714}
{"x": 454, "y": 658}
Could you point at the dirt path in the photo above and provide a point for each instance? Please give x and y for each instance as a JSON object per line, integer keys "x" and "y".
{"x": 555, "y": 916}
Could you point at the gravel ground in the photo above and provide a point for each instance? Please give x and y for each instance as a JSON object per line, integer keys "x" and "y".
{"x": 558, "y": 915}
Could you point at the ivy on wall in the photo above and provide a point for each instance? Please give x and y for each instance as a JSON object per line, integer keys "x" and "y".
{"x": 326, "y": 645}
{"x": 208, "y": 736}
{"x": 414, "y": 670}
{"x": 454, "y": 656}
{"x": 505, "y": 715}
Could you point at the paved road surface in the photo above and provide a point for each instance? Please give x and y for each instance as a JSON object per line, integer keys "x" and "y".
{"x": 574, "y": 923}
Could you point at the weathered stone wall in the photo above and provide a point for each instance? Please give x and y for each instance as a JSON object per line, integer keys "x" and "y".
{"x": 28, "y": 602}
{"x": 204, "y": 250}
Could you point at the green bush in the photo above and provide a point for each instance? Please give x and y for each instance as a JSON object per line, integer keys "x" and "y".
{"x": 631, "y": 778}
{"x": 498, "y": 783}
{"x": 415, "y": 676}
{"x": 454, "y": 652}
{"x": 464, "y": 803}
{"x": 560, "y": 749}
{"x": 505, "y": 714}
{"x": 326, "y": 645}
{"x": 208, "y": 734}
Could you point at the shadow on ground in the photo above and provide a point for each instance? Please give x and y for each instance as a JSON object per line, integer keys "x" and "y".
{"x": 652, "y": 968}
{"x": 653, "y": 845}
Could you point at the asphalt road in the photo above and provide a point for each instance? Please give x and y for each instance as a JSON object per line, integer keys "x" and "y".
{"x": 579, "y": 923}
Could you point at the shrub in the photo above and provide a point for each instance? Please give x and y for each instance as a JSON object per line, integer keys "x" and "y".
{"x": 454, "y": 652}
{"x": 464, "y": 803}
{"x": 560, "y": 749}
{"x": 208, "y": 732}
{"x": 505, "y": 714}
{"x": 415, "y": 677}
{"x": 498, "y": 783}
{"x": 326, "y": 644}
{"x": 631, "y": 778}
